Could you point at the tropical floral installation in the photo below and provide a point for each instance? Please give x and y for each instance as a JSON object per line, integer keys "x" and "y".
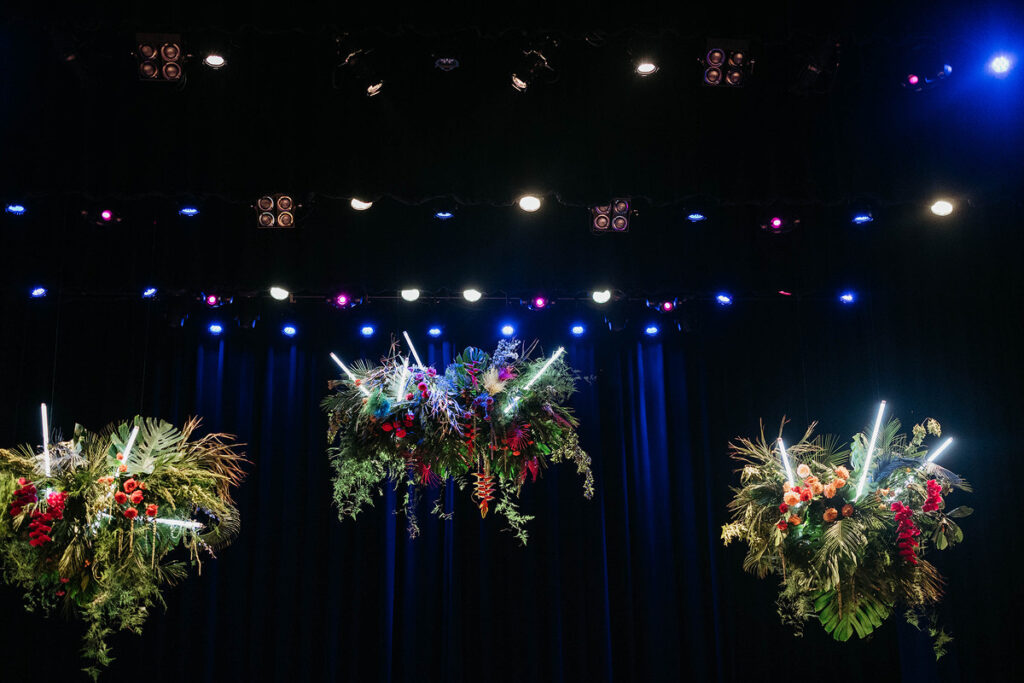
{"x": 489, "y": 421}
{"x": 97, "y": 525}
{"x": 848, "y": 530}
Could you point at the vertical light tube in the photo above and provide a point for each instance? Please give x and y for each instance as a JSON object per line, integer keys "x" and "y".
{"x": 46, "y": 440}
{"x": 412, "y": 348}
{"x": 871, "y": 448}
{"x": 349, "y": 373}
{"x": 785, "y": 462}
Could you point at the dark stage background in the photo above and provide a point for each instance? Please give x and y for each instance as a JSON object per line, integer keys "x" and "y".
{"x": 633, "y": 585}
{"x": 630, "y": 586}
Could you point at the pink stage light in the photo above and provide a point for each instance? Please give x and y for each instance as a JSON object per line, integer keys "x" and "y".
{"x": 912, "y": 79}
{"x": 212, "y": 300}
{"x": 540, "y": 302}
{"x": 667, "y": 306}
{"x": 107, "y": 215}
{"x": 776, "y": 222}
{"x": 342, "y": 300}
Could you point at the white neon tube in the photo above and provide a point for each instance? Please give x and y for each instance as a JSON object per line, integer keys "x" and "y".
{"x": 412, "y": 348}
{"x": 785, "y": 461}
{"x": 944, "y": 446}
{"x": 871, "y": 448}
{"x": 349, "y": 373}
{"x": 401, "y": 382}
{"x": 46, "y": 440}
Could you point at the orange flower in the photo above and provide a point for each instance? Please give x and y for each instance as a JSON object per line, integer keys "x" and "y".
{"x": 847, "y": 510}
{"x": 830, "y": 490}
{"x": 817, "y": 488}
{"x": 883, "y": 493}
{"x": 786, "y": 486}
{"x": 839, "y": 483}
{"x": 830, "y": 515}
{"x": 794, "y": 520}
{"x": 122, "y": 468}
{"x": 120, "y": 456}
{"x": 811, "y": 480}
{"x": 791, "y": 498}
{"x": 803, "y": 470}
{"x": 842, "y": 472}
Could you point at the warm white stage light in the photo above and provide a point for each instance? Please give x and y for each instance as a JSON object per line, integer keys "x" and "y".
{"x": 942, "y": 208}
{"x": 410, "y": 294}
{"x": 472, "y": 295}
{"x": 602, "y": 296}
{"x": 360, "y": 205}
{"x": 214, "y": 60}
{"x": 529, "y": 203}
{"x": 279, "y": 293}
{"x": 646, "y": 68}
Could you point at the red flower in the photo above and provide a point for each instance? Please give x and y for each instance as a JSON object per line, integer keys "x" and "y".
{"x": 64, "y": 579}
{"x": 400, "y": 433}
{"x": 387, "y": 427}
{"x": 422, "y": 386}
{"x": 783, "y": 507}
{"x": 121, "y": 497}
{"x": 130, "y": 485}
{"x": 409, "y": 396}
{"x": 136, "y": 497}
{"x": 782, "y": 525}
{"x": 131, "y": 513}
{"x": 60, "y": 594}
{"x": 151, "y": 510}
{"x": 22, "y": 481}
{"x": 806, "y": 495}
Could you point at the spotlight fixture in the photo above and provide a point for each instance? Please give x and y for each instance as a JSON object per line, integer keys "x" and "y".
{"x": 188, "y": 211}
{"x": 613, "y": 217}
{"x": 847, "y": 297}
{"x": 696, "y": 217}
{"x": 602, "y": 296}
{"x": 507, "y": 330}
{"x": 472, "y": 295}
{"x": 531, "y": 67}
{"x": 1000, "y": 65}
{"x": 446, "y": 63}
{"x": 726, "y": 62}
{"x": 359, "y": 204}
{"x": 443, "y": 215}
{"x": 38, "y": 292}
{"x": 215, "y": 328}
{"x": 779, "y": 225}
{"x": 101, "y": 218}
{"x": 289, "y": 330}
{"x": 646, "y": 68}
{"x": 410, "y": 294}
{"x": 279, "y": 293}
{"x": 214, "y": 60}
{"x": 862, "y": 218}
{"x": 159, "y": 57}
{"x": 343, "y": 300}
{"x": 149, "y": 293}
{"x": 367, "y": 330}
{"x": 652, "y": 330}
{"x": 577, "y": 329}
{"x": 663, "y": 306}
{"x": 434, "y": 332}
{"x": 529, "y": 203}
{"x": 538, "y": 303}
{"x": 15, "y": 209}
{"x": 942, "y": 207}
{"x": 214, "y": 300}
{"x": 723, "y": 299}
{"x": 106, "y": 215}
{"x": 275, "y": 211}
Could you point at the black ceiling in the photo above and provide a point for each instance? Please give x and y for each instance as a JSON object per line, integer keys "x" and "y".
{"x": 279, "y": 117}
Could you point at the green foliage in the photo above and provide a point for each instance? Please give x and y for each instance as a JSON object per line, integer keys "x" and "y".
{"x": 484, "y": 415}
{"x": 838, "y": 558}
{"x": 100, "y": 564}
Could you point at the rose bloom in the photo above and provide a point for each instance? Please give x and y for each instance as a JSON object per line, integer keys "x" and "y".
{"x": 830, "y": 515}
{"x": 782, "y": 526}
{"x": 847, "y": 510}
{"x": 803, "y": 470}
{"x": 151, "y": 510}
{"x": 130, "y": 485}
{"x": 806, "y": 495}
{"x": 136, "y": 497}
{"x": 817, "y": 488}
{"x": 786, "y": 486}
{"x": 121, "y": 497}
{"x": 842, "y": 472}
{"x": 811, "y": 480}
{"x": 839, "y": 483}
{"x": 829, "y": 490}
{"x": 131, "y": 513}
{"x": 791, "y": 498}
{"x": 783, "y": 507}
{"x": 794, "y": 520}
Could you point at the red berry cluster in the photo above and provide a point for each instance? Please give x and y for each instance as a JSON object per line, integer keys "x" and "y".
{"x": 23, "y": 496}
{"x": 934, "y": 496}
{"x": 906, "y": 532}
{"x": 400, "y": 427}
{"x": 42, "y": 522}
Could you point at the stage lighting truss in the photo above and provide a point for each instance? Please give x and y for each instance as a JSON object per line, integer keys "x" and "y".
{"x": 727, "y": 63}
{"x": 160, "y": 57}
{"x": 613, "y": 217}
{"x": 275, "y": 211}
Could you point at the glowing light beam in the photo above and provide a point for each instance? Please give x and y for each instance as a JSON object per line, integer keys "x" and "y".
{"x": 944, "y": 446}
{"x": 401, "y": 382}
{"x": 512, "y": 404}
{"x": 128, "y": 447}
{"x": 871, "y": 448}
{"x": 349, "y": 373}
{"x": 785, "y": 462}
{"x": 412, "y": 348}
{"x": 46, "y": 440}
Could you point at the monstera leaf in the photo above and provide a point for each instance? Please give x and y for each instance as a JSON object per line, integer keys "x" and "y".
{"x": 157, "y": 442}
{"x": 859, "y": 613}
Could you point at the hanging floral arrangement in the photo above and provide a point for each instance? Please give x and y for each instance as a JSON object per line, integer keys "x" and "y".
{"x": 489, "y": 422}
{"x": 847, "y": 531}
{"x": 89, "y": 524}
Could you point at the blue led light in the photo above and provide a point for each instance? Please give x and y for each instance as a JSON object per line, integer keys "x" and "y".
{"x": 289, "y": 330}
{"x": 188, "y": 211}
{"x": 847, "y": 297}
{"x": 862, "y": 218}
{"x": 724, "y": 299}
{"x": 38, "y": 292}
{"x": 443, "y": 215}
{"x": 577, "y": 330}
{"x": 215, "y": 328}
{"x": 367, "y": 330}
{"x": 434, "y": 331}
{"x": 16, "y": 209}
{"x": 1000, "y": 65}
{"x": 149, "y": 292}
{"x": 651, "y": 330}
{"x": 508, "y": 330}
{"x": 696, "y": 217}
